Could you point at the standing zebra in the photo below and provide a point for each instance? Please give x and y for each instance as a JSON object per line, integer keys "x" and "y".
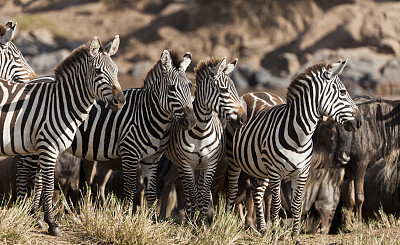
{"x": 42, "y": 116}
{"x": 138, "y": 132}
{"x": 13, "y": 65}
{"x": 277, "y": 143}
{"x": 202, "y": 146}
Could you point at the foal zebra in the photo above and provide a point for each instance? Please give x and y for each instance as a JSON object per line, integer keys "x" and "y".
{"x": 138, "y": 132}
{"x": 13, "y": 66}
{"x": 42, "y": 116}
{"x": 202, "y": 146}
{"x": 277, "y": 143}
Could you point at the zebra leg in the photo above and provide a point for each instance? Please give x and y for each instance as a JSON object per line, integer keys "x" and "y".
{"x": 189, "y": 190}
{"x": 298, "y": 184}
{"x": 258, "y": 187}
{"x": 24, "y": 168}
{"x": 129, "y": 170}
{"x": 47, "y": 162}
{"x": 233, "y": 178}
{"x": 38, "y": 187}
{"x": 205, "y": 180}
{"x": 150, "y": 177}
{"x": 275, "y": 186}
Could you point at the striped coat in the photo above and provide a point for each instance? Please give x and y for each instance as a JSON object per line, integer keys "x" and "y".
{"x": 276, "y": 143}
{"x": 202, "y": 146}
{"x": 43, "y": 115}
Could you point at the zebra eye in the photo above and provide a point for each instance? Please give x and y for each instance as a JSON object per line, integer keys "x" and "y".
{"x": 342, "y": 92}
{"x": 171, "y": 87}
{"x": 223, "y": 90}
{"x": 97, "y": 70}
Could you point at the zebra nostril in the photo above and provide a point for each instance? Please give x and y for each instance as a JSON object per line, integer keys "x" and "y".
{"x": 115, "y": 101}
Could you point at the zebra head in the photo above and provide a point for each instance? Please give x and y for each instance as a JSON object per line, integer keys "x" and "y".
{"x": 104, "y": 72}
{"x": 178, "y": 89}
{"x": 13, "y": 66}
{"x": 336, "y": 102}
{"x": 217, "y": 91}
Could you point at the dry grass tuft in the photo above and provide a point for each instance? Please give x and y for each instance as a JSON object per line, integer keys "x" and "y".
{"x": 15, "y": 221}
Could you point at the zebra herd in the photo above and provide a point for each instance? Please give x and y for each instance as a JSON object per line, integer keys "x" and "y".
{"x": 71, "y": 112}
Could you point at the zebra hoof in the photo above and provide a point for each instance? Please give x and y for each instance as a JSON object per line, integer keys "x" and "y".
{"x": 54, "y": 231}
{"x": 40, "y": 224}
{"x": 298, "y": 242}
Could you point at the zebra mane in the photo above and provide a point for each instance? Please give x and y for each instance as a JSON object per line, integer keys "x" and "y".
{"x": 204, "y": 68}
{"x": 303, "y": 76}
{"x": 149, "y": 78}
{"x": 76, "y": 56}
{"x": 2, "y": 29}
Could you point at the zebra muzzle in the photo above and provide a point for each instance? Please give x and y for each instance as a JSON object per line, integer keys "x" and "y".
{"x": 239, "y": 121}
{"x": 188, "y": 120}
{"x": 117, "y": 102}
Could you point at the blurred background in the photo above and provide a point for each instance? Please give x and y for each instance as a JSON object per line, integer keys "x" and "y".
{"x": 274, "y": 40}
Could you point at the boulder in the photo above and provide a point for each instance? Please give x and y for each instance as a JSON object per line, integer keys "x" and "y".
{"x": 141, "y": 68}
{"x": 44, "y": 64}
{"x": 288, "y": 63}
{"x": 238, "y": 79}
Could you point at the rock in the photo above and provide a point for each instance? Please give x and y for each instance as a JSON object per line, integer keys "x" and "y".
{"x": 246, "y": 70}
{"x": 44, "y": 64}
{"x": 288, "y": 64}
{"x": 140, "y": 68}
{"x": 352, "y": 25}
{"x": 26, "y": 43}
{"x": 220, "y": 51}
{"x": 391, "y": 71}
{"x": 238, "y": 79}
{"x": 261, "y": 76}
{"x": 45, "y": 38}
{"x": 390, "y": 46}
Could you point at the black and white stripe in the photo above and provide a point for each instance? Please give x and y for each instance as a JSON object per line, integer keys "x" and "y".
{"x": 201, "y": 147}
{"x": 42, "y": 116}
{"x": 13, "y": 66}
{"x": 277, "y": 143}
{"x": 140, "y": 131}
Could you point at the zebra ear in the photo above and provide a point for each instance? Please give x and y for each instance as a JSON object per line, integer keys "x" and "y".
{"x": 220, "y": 67}
{"x": 113, "y": 46}
{"x": 229, "y": 67}
{"x": 94, "y": 46}
{"x": 9, "y": 24}
{"x": 185, "y": 61}
{"x": 166, "y": 60}
{"x": 336, "y": 69}
{"x": 9, "y": 35}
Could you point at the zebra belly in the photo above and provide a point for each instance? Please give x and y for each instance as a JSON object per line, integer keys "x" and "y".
{"x": 15, "y": 138}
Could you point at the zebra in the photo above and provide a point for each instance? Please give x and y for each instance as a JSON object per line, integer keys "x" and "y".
{"x": 13, "y": 65}
{"x": 138, "y": 132}
{"x": 202, "y": 146}
{"x": 276, "y": 143}
{"x": 42, "y": 116}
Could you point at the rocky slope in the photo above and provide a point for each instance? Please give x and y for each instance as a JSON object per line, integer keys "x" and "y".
{"x": 274, "y": 40}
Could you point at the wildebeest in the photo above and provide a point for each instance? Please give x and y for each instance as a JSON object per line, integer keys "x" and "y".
{"x": 378, "y": 137}
{"x": 68, "y": 178}
{"x": 382, "y": 188}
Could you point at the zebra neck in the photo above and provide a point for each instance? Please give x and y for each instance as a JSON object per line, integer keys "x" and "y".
{"x": 75, "y": 88}
{"x": 202, "y": 112}
{"x": 147, "y": 104}
{"x": 301, "y": 121}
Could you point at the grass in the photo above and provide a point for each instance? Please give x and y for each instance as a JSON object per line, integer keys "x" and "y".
{"x": 30, "y": 22}
{"x": 116, "y": 223}
{"x": 15, "y": 221}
